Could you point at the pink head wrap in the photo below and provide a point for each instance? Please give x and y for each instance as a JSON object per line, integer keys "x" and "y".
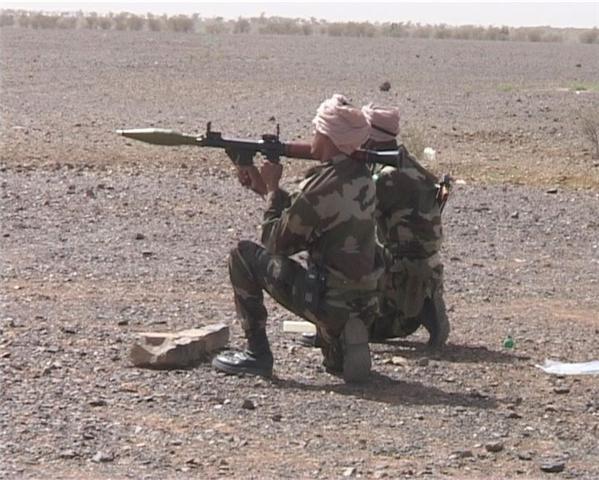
{"x": 384, "y": 122}
{"x": 343, "y": 123}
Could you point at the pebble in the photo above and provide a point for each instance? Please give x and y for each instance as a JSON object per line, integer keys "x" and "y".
{"x": 349, "y": 472}
{"x": 103, "y": 457}
{"x": 248, "y": 405}
{"x": 553, "y": 466}
{"x": 561, "y": 390}
{"x": 525, "y": 456}
{"x": 494, "y": 447}
{"x": 67, "y": 454}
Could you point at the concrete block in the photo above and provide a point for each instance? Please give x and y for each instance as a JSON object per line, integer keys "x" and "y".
{"x": 183, "y": 349}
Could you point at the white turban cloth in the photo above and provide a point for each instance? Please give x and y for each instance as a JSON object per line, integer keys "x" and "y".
{"x": 343, "y": 123}
{"x": 384, "y": 122}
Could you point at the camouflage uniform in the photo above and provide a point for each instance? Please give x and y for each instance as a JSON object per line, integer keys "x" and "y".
{"x": 409, "y": 227}
{"x": 331, "y": 218}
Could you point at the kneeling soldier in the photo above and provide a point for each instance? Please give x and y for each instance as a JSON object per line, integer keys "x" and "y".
{"x": 332, "y": 218}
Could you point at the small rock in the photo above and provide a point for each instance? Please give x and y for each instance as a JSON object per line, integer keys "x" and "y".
{"x": 399, "y": 361}
{"x": 277, "y": 417}
{"x": 513, "y": 415}
{"x": 551, "y": 190}
{"x": 103, "y": 457}
{"x": 181, "y": 349}
{"x": 140, "y": 236}
{"x": 423, "y": 362}
{"x": 561, "y": 390}
{"x": 69, "y": 330}
{"x": 380, "y": 474}
{"x": 248, "y": 405}
{"x": 494, "y": 447}
{"x": 552, "y": 466}
{"x": 525, "y": 456}
{"x": 385, "y": 86}
{"x": 463, "y": 454}
{"x": 515, "y": 215}
{"x": 98, "y": 402}
{"x": 67, "y": 454}
{"x": 349, "y": 472}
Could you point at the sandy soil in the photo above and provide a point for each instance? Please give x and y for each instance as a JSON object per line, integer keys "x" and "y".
{"x": 101, "y": 237}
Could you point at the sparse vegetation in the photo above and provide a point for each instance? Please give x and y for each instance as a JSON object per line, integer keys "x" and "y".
{"x": 263, "y": 25}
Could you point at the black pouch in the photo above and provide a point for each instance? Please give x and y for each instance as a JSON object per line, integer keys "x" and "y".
{"x": 310, "y": 291}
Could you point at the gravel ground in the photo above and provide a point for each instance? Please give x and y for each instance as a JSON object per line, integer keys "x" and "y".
{"x": 101, "y": 238}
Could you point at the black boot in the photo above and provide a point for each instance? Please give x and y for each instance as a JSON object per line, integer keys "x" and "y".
{"x": 256, "y": 360}
{"x": 434, "y": 319}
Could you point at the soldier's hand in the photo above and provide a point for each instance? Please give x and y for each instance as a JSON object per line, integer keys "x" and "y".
{"x": 271, "y": 174}
{"x": 249, "y": 177}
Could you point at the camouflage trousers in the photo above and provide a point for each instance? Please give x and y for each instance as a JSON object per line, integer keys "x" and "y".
{"x": 253, "y": 270}
{"x": 403, "y": 288}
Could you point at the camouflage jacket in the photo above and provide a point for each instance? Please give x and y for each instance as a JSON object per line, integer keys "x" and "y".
{"x": 407, "y": 213}
{"x": 331, "y": 217}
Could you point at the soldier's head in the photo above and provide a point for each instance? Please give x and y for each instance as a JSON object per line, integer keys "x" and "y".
{"x": 339, "y": 127}
{"x": 384, "y": 127}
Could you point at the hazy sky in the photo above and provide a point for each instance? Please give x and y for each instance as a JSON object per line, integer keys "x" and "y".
{"x": 556, "y": 14}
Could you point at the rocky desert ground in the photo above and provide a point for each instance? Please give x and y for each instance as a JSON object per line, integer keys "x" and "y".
{"x": 103, "y": 237}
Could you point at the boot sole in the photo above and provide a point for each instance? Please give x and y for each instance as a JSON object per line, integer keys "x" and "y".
{"x": 236, "y": 370}
{"x": 356, "y": 353}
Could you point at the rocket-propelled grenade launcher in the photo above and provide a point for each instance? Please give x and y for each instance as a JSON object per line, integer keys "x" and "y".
{"x": 242, "y": 151}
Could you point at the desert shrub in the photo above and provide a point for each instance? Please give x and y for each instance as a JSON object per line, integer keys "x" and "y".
{"x": 41, "y": 20}
{"x": 135, "y": 22}
{"x": 216, "y": 26}
{"x": 180, "y": 23}
{"x": 534, "y": 36}
{"x": 7, "y": 19}
{"x": 589, "y": 36}
{"x": 590, "y": 129}
{"x": 394, "y": 30}
{"x": 155, "y": 24}
{"x": 66, "y": 22}
{"x": 242, "y": 25}
{"x": 422, "y": 31}
{"x": 442, "y": 32}
{"x": 497, "y": 33}
{"x": 104, "y": 23}
{"x": 280, "y": 26}
{"x": 351, "y": 29}
{"x": 120, "y": 21}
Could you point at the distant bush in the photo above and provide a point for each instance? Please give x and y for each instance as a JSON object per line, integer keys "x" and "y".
{"x": 216, "y": 26}
{"x": 40, "y": 20}
{"x": 180, "y": 23}
{"x": 351, "y": 29}
{"x": 7, "y": 19}
{"x": 290, "y": 26}
{"x": 281, "y": 26}
{"x": 589, "y": 36}
{"x": 242, "y": 25}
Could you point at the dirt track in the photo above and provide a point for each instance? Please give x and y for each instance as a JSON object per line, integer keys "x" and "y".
{"x": 101, "y": 238}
